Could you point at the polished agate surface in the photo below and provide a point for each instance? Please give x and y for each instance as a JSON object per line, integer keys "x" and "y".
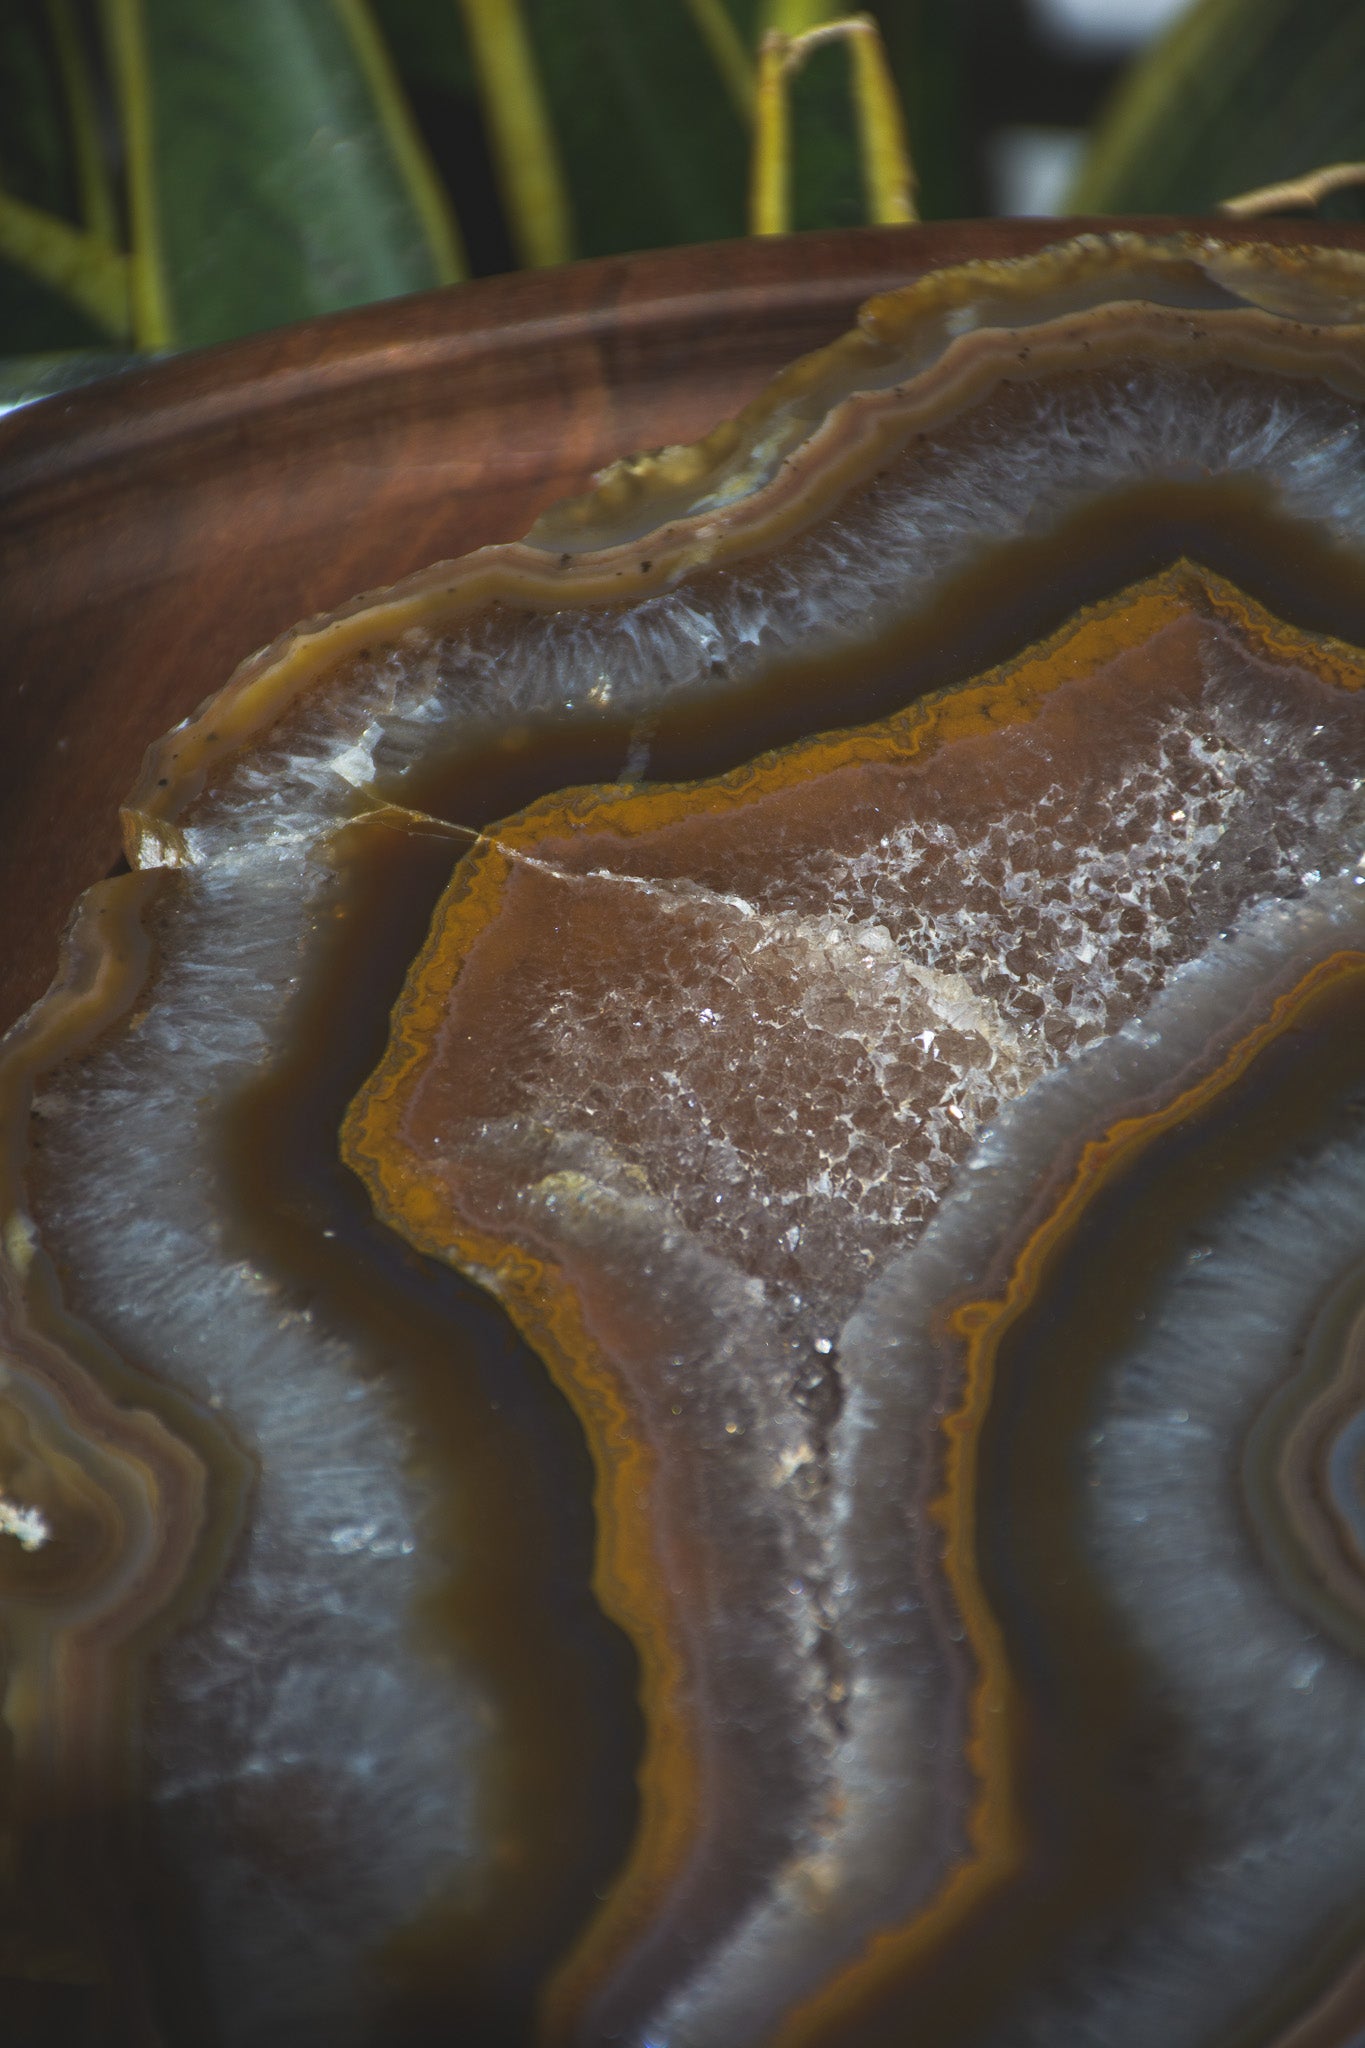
{"x": 685, "y": 1288}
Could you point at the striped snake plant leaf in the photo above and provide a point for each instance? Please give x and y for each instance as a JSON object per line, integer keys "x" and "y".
{"x": 59, "y": 281}
{"x": 177, "y": 172}
{"x": 274, "y": 170}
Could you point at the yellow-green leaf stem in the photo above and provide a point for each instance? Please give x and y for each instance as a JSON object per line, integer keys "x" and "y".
{"x": 81, "y": 266}
{"x": 798, "y": 17}
{"x": 531, "y": 180}
{"x": 428, "y": 195}
{"x": 149, "y": 302}
{"x": 888, "y": 174}
{"x": 1294, "y": 194}
{"x": 98, "y": 211}
{"x": 731, "y": 59}
{"x": 770, "y": 175}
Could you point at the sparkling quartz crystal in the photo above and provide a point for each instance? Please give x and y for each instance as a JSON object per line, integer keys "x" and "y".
{"x": 744, "y": 1038}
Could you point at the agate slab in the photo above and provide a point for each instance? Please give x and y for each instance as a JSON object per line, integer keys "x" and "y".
{"x": 774, "y": 1456}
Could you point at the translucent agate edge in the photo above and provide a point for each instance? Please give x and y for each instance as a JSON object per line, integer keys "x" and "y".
{"x": 902, "y": 334}
{"x": 243, "y": 828}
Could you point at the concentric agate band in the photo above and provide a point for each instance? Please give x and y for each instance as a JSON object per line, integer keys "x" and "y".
{"x": 775, "y": 1456}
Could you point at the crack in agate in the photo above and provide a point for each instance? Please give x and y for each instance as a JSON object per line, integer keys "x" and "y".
{"x": 937, "y": 951}
{"x": 609, "y": 1063}
{"x": 829, "y": 1804}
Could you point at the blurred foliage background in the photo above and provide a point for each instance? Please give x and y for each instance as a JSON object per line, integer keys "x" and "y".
{"x": 178, "y": 172}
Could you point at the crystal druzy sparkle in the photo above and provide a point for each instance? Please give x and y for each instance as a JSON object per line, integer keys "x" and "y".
{"x": 684, "y": 1305}
{"x": 744, "y": 1038}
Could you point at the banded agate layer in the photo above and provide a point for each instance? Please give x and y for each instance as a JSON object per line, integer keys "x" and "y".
{"x": 823, "y": 1503}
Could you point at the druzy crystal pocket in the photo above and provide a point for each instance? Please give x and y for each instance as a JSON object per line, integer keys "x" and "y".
{"x": 684, "y": 1308}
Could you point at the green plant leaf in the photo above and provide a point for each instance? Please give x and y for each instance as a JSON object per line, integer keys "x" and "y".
{"x": 273, "y": 168}
{"x": 926, "y": 44}
{"x": 36, "y": 318}
{"x": 524, "y": 146}
{"x": 35, "y": 160}
{"x": 827, "y": 180}
{"x": 1240, "y": 93}
{"x": 85, "y": 271}
{"x": 60, "y": 285}
{"x": 652, "y": 144}
{"x": 652, "y": 147}
{"x": 427, "y": 42}
{"x": 655, "y": 148}
{"x": 72, "y": 48}
{"x": 648, "y": 121}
